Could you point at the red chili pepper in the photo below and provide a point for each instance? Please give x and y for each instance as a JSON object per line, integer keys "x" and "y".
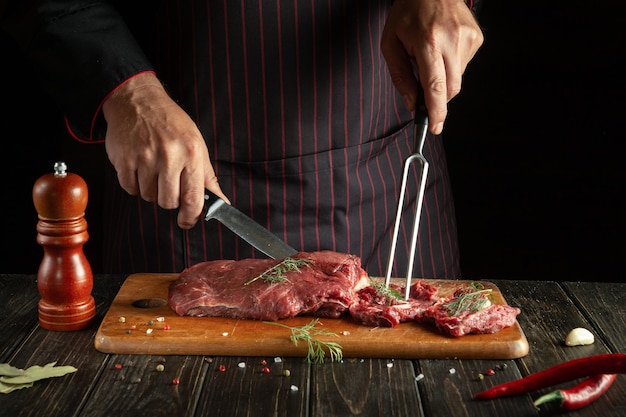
{"x": 605, "y": 363}
{"x": 579, "y": 395}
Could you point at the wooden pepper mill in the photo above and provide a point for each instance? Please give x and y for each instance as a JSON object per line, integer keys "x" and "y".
{"x": 64, "y": 278}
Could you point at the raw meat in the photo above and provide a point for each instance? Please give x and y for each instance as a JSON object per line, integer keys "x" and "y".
{"x": 329, "y": 285}
{"x": 326, "y": 287}
{"x": 458, "y": 316}
{"x": 375, "y": 309}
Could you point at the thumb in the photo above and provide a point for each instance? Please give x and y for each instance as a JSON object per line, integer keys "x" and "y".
{"x": 212, "y": 184}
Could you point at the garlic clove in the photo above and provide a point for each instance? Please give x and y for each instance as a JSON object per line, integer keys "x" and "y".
{"x": 579, "y": 337}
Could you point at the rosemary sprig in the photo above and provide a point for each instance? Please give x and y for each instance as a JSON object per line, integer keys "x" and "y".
{"x": 278, "y": 271}
{"x": 390, "y": 294}
{"x": 471, "y": 298}
{"x": 309, "y": 334}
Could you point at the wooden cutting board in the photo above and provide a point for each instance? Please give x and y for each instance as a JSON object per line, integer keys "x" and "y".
{"x": 140, "y": 321}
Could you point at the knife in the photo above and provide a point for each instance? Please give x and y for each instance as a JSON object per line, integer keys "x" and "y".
{"x": 246, "y": 228}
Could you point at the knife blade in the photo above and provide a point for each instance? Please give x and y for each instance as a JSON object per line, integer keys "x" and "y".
{"x": 246, "y": 228}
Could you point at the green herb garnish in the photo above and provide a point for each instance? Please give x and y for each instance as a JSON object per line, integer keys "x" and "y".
{"x": 390, "y": 294}
{"x": 308, "y": 333}
{"x": 12, "y": 378}
{"x": 278, "y": 271}
{"x": 471, "y": 298}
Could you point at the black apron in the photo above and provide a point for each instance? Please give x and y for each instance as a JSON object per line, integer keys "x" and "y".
{"x": 306, "y": 133}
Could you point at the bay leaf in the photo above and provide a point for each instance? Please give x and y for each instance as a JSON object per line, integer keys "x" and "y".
{"x": 7, "y": 388}
{"x": 8, "y": 370}
{"x": 36, "y": 373}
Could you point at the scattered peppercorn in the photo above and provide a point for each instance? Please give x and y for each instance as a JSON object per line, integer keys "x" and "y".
{"x": 222, "y": 368}
{"x": 166, "y": 327}
{"x": 128, "y": 331}
{"x": 133, "y": 327}
{"x": 286, "y": 372}
{"x": 118, "y": 366}
{"x": 490, "y": 372}
{"x": 150, "y": 322}
{"x": 263, "y": 362}
{"x": 266, "y": 370}
{"x": 122, "y": 319}
{"x": 175, "y": 381}
{"x": 136, "y": 380}
{"x": 160, "y": 367}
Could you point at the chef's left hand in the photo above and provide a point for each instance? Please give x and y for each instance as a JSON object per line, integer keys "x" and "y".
{"x": 440, "y": 37}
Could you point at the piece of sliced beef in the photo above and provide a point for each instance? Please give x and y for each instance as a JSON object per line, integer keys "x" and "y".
{"x": 475, "y": 314}
{"x": 325, "y": 287}
{"x": 376, "y": 309}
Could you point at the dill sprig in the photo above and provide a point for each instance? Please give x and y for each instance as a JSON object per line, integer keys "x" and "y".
{"x": 278, "y": 271}
{"x": 390, "y": 294}
{"x": 316, "y": 349}
{"x": 471, "y": 298}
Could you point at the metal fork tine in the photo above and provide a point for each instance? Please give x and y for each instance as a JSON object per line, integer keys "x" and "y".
{"x": 419, "y": 137}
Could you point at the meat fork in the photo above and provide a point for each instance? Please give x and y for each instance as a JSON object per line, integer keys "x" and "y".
{"x": 420, "y": 129}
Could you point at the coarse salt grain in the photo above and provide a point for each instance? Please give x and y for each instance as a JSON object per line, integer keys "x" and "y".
{"x": 148, "y": 331}
{"x": 241, "y": 364}
{"x": 160, "y": 318}
{"x": 389, "y": 364}
{"x": 225, "y": 334}
{"x": 278, "y": 359}
{"x": 452, "y": 371}
{"x": 293, "y": 388}
{"x": 345, "y": 333}
{"x": 419, "y": 377}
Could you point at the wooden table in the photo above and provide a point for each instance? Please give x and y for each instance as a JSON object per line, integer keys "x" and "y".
{"x": 353, "y": 387}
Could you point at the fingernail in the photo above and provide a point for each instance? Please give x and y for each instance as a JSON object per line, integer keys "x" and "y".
{"x": 438, "y": 128}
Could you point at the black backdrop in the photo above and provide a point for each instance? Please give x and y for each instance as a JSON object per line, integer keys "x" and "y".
{"x": 535, "y": 144}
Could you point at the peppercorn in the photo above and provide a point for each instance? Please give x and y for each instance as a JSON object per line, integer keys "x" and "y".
{"x": 175, "y": 381}
{"x": 118, "y": 366}
{"x": 160, "y": 367}
{"x": 266, "y": 370}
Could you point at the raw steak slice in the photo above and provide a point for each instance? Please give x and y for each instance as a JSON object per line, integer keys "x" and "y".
{"x": 325, "y": 287}
{"x": 376, "y": 309}
{"x": 470, "y": 311}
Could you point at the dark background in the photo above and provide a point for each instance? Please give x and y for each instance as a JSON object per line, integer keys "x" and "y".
{"x": 535, "y": 144}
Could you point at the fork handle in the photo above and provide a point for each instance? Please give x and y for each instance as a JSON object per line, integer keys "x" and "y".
{"x": 420, "y": 118}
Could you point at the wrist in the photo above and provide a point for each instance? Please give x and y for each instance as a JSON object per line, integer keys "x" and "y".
{"x": 143, "y": 89}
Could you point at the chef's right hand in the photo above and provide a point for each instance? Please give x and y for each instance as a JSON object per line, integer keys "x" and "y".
{"x": 157, "y": 149}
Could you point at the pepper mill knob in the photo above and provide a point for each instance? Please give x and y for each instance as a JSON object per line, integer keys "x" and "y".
{"x": 64, "y": 278}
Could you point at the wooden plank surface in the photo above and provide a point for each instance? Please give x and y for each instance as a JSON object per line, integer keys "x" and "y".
{"x": 230, "y": 337}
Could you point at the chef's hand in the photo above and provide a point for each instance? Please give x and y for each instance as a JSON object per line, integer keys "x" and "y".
{"x": 157, "y": 149}
{"x": 440, "y": 37}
